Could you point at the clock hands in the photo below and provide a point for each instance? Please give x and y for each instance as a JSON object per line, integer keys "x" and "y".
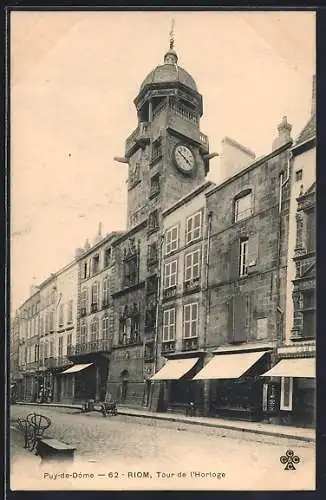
{"x": 185, "y": 158}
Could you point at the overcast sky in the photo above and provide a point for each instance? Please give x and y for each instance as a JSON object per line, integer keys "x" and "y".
{"x": 74, "y": 76}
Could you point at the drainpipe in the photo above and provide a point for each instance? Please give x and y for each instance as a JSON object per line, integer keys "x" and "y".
{"x": 284, "y": 179}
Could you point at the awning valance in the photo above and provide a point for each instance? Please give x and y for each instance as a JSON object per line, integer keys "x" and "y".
{"x": 76, "y": 368}
{"x": 174, "y": 369}
{"x": 295, "y": 367}
{"x": 229, "y": 366}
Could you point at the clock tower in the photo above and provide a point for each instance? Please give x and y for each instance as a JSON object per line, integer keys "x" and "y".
{"x": 167, "y": 154}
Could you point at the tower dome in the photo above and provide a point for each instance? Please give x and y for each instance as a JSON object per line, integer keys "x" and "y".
{"x": 170, "y": 72}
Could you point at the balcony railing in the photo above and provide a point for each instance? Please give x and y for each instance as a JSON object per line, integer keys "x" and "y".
{"x": 138, "y": 137}
{"x": 170, "y": 292}
{"x": 190, "y": 344}
{"x": 191, "y": 285}
{"x": 62, "y": 361}
{"x": 168, "y": 347}
{"x": 102, "y": 345}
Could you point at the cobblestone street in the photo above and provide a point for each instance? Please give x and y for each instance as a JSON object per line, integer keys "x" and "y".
{"x": 126, "y": 446}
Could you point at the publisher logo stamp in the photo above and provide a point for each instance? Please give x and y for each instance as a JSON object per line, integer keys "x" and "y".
{"x": 289, "y": 460}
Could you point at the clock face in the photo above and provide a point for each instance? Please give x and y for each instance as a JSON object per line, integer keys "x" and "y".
{"x": 184, "y": 158}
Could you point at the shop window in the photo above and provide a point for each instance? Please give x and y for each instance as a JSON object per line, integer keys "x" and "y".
{"x": 192, "y": 265}
{"x": 286, "y": 393}
{"x": 171, "y": 239}
{"x": 170, "y": 274}
{"x": 193, "y": 227}
{"x": 243, "y": 206}
{"x": 190, "y": 320}
{"x": 169, "y": 324}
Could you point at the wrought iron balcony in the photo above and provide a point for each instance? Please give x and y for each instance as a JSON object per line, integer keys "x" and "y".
{"x": 96, "y": 346}
{"x": 168, "y": 347}
{"x": 190, "y": 344}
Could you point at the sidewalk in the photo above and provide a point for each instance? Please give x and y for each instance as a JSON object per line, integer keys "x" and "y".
{"x": 283, "y": 431}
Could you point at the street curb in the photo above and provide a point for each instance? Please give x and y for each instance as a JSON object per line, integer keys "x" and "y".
{"x": 222, "y": 426}
{"x": 181, "y": 420}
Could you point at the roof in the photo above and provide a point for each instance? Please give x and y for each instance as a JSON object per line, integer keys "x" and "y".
{"x": 308, "y": 131}
{"x": 167, "y": 73}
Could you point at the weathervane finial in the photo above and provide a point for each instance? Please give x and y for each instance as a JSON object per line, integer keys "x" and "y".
{"x": 172, "y": 35}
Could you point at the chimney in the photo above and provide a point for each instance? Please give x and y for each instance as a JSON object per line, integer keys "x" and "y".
{"x": 313, "y": 99}
{"x": 284, "y": 134}
{"x": 78, "y": 252}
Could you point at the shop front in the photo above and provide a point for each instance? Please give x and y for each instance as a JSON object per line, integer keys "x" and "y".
{"x": 178, "y": 392}
{"x": 295, "y": 382}
{"x": 235, "y": 386}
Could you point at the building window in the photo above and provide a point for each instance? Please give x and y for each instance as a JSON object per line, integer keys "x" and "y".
{"x": 51, "y": 345}
{"x": 190, "y": 320}
{"x": 130, "y": 271}
{"x": 156, "y": 150}
{"x": 60, "y": 347}
{"x": 310, "y": 231}
{"x": 152, "y": 254}
{"x": 61, "y": 318}
{"x": 286, "y": 393}
{"x": 69, "y": 313}
{"x": 105, "y": 292}
{"x": 96, "y": 264}
{"x": 309, "y": 314}
{"x": 243, "y": 265}
{"x": 192, "y": 265}
{"x": 94, "y": 297}
{"x": 243, "y": 206}
{"x": 194, "y": 227}
{"x": 51, "y": 322}
{"x": 155, "y": 185}
{"x": 169, "y": 325}
{"x": 83, "y": 304}
{"x": 170, "y": 274}
{"x": 69, "y": 339}
{"x": 94, "y": 330}
{"x": 85, "y": 270}
{"x": 105, "y": 327}
{"x": 153, "y": 221}
{"x": 83, "y": 333}
{"x": 298, "y": 175}
{"x": 171, "y": 240}
{"x": 107, "y": 256}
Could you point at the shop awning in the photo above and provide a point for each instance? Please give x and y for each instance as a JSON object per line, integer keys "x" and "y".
{"x": 300, "y": 367}
{"x": 174, "y": 369}
{"x": 229, "y": 366}
{"x": 76, "y": 368}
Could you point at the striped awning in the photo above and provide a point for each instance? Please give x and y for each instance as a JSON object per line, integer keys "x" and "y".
{"x": 76, "y": 368}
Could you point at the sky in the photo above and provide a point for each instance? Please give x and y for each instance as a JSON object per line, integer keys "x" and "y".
{"x": 74, "y": 76}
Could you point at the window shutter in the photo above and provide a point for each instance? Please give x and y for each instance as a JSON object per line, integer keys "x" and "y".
{"x": 253, "y": 243}
{"x": 230, "y": 320}
{"x": 234, "y": 259}
{"x": 240, "y": 316}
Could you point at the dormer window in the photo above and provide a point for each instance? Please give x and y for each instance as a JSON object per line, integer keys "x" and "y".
{"x": 243, "y": 206}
